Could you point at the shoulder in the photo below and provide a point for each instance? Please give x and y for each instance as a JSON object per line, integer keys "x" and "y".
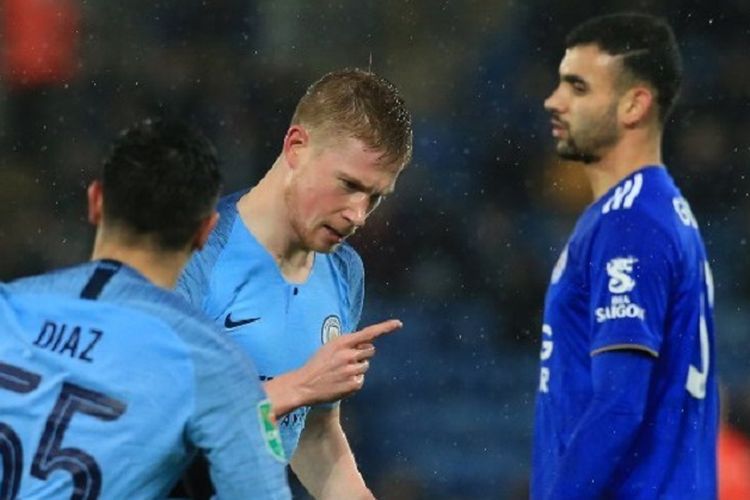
{"x": 351, "y": 273}
{"x": 62, "y": 280}
{"x": 194, "y": 281}
{"x": 171, "y": 308}
{"x": 227, "y": 208}
{"x": 644, "y": 208}
{"x": 198, "y": 334}
{"x": 349, "y": 264}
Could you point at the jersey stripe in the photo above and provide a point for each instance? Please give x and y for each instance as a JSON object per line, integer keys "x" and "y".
{"x": 103, "y": 273}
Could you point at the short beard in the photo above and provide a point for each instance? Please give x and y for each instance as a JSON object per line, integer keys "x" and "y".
{"x": 606, "y": 134}
{"x": 570, "y": 151}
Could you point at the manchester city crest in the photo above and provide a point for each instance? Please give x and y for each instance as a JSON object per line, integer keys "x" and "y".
{"x": 331, "y": 328}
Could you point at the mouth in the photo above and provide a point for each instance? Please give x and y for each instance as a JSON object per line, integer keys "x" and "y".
{"x": 338, "y": 236}
{"x": 558, "y": 128}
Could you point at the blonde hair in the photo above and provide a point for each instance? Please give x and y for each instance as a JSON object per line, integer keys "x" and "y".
{"x": 361, "y": 105}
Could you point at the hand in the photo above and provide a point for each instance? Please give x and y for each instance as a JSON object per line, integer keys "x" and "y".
{"x": 337, "y": 369}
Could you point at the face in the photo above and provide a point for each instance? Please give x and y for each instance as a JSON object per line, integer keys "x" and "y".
{"x": 584, "y": 105}
{"x": 332, "y": 187}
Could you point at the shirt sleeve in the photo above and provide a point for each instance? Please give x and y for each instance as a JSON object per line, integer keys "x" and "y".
{"x": 620, "y": 381}
{"x": 233, "y": 426}
{"x": 630, "y": 275}
{"x": 192, "y": 285}
{"x": 194, "y": 282}
{"x": 352, "y": 270}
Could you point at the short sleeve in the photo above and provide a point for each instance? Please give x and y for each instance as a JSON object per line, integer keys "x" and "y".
{"x": 233, "y": 424}
{"x": 350, "y": 265}
{"x": 194, "y": 282}
{"x": 630, "y": 275}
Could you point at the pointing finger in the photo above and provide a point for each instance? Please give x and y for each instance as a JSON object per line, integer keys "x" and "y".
{"x": 372, "y": 332}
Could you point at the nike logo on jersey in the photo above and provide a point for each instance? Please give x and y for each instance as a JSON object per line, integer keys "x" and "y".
{"x": 230, "y": 323}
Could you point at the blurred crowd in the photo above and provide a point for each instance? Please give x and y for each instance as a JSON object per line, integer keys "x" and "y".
{"x": 461, "y": 252}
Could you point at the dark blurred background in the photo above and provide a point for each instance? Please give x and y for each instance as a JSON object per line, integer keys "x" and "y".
{"x": 461, "y": 253}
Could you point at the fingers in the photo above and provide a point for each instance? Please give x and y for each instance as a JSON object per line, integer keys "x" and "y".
{"x": 359, "y": 373}
{"x": 361, "y": 367}
{"x": 363, "y": 352}
{"x": 372, "y": 332}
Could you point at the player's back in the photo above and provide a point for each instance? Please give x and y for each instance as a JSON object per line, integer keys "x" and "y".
{"x": 100, "y": 380}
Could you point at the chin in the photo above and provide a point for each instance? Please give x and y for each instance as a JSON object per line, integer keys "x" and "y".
{"x": 323, "y": 246}
{"x": 566, "y": 152}
{"x": 331, "y": 248}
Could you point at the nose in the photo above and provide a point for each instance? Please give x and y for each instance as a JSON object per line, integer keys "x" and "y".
{"x": 357, "y": 211}
{"x": 552, "y": 103}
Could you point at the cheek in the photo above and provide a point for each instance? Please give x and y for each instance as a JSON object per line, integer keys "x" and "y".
{"x": 310, "y": 205}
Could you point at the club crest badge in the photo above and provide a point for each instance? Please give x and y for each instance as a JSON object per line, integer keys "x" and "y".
{"x": 331, "y": 328}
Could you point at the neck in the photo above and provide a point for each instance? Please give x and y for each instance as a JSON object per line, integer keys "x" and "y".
{"x": 264, "y": 212}
{"x": 159, "y": 267}
{"x": 631, "y": 153}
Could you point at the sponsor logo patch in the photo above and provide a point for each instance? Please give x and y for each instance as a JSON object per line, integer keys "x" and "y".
{"x": 621, "y": 282}
{"x": 619, "y": 270}
{"x": 621, "y": 307}
{"x": 270, "y": 430}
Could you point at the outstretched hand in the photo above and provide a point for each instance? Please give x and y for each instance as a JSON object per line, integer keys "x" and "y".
{"x": 337, "y": 369}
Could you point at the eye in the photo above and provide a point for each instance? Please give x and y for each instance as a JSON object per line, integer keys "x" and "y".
{"x": 579, "y": 87}
{"x": 349, "y": 185}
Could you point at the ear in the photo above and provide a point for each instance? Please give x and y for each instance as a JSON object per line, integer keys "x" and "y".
{"x": 204, "y": 231}
{"x": 636, "y": 105}
{"x": 296, "y": 142}
{"x": 95, "y": 197}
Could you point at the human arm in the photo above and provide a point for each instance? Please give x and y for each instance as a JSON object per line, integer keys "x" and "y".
{"x": 324, "y": 463}
{"x": 605, "y": 432}
{"x": 335, "y": 371}
{"x": 235, "y": 430}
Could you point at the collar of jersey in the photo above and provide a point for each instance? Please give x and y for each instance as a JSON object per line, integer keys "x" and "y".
{"x": 130, "y": 271}
{"x": 646, "y": 169}
{"x": 251, "y": 240}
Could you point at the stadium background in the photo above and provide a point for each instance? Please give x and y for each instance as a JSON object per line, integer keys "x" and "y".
{"x": 461, "y": 253}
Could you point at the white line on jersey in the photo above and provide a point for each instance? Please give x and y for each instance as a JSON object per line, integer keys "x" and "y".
{"x": 624, "y": 195}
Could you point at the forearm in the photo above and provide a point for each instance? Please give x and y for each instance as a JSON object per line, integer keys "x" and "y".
{"x": 285, "y": 392}
{"x": 607, "y": 429}
{"x": 324, "y": 462}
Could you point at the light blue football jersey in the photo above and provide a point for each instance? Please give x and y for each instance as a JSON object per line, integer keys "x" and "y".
{"x": 236, "y": 281}
{"x": 109, "y": 384}
{"x": 634, "y": 275}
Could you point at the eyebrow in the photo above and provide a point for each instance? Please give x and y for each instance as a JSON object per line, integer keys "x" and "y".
{"x": 362, "y": 187}
{"x": 573, "y": 79}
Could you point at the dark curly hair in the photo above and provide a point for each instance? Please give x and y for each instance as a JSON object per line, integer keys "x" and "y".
{"x": 160, "y": 180}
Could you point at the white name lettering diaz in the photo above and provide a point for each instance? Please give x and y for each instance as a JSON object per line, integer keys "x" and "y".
{"x": 621, "y": 282}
